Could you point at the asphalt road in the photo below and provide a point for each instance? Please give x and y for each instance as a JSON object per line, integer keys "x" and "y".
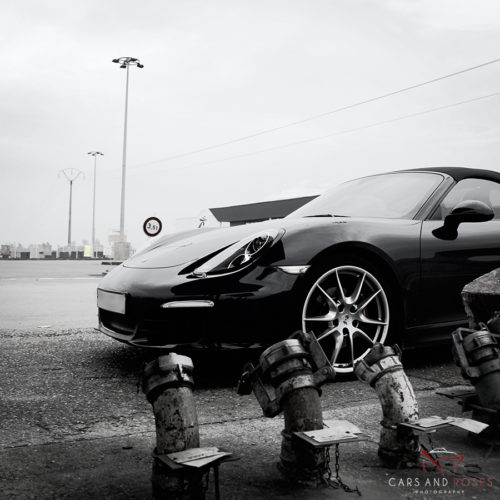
{"x": 44, "y": 294}
{"x": 73, "y": 423}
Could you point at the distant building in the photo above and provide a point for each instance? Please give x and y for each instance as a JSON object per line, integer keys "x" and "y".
{"x": 20, "y": 252}
{"x": 45, "y": 251}
{"x": 122, "y": 250}
{"x": 70, "y": 252}
{"x": 40, "y": 251}
{"x": 5, "y": 251}
{"x": 98, "y": 250}
{"x": 11, "y": 251}
{"x": 237, "y": 215}
{"x": 241, "y": 214}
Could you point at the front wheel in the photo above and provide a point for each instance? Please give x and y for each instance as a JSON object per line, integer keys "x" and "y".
{"x": 347, "y": 309}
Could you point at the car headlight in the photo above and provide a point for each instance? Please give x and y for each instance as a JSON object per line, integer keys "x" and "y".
{"x": 239, "y": 255}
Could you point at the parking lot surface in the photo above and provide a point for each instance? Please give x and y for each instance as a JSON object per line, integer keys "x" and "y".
{"x": 74, "y": 424}
{"x": 49, "y": 294}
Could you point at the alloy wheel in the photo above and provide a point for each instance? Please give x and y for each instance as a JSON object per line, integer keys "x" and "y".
{"x": 347, "y": 310}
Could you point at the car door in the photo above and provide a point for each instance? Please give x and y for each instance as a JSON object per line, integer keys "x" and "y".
{"x": 447, "y": 265}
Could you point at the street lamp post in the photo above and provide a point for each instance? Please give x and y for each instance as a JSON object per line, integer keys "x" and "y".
{"x": 71, "y": 175}
{"x": 94, "y": 154}
{"x": 125, "y": 63}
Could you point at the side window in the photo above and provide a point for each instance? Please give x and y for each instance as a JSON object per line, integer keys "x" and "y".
{"x": 470, "y": 189}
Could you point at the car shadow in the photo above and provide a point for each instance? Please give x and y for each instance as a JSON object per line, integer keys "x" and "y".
{"x": 221, "y": 369}
{"x": 211, "y": 368}
{"x": 224, "y": 368}
{"x": 427, "y": 356}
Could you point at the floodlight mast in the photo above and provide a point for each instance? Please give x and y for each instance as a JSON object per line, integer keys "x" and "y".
{"x": 71, "y": 175}
{"x": 125, "y": 63}
{"x": 95, "y": 154}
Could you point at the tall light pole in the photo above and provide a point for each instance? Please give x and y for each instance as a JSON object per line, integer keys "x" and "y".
{"x": 71, "y": 175}
{"x": 95, "y": 154}
{"x": 125, "y": 63}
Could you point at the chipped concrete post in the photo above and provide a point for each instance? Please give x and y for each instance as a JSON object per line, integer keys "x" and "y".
{"x": 168, "y": 385}
{"x": 481, "y": 299}
{"x": 382, "y": 369}
{"x": 288, "y": 379}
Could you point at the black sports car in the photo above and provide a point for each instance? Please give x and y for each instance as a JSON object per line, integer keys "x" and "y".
{"x": 377, "y": 258}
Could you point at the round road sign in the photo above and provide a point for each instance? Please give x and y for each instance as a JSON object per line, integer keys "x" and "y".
{"x": 152, "y": 226}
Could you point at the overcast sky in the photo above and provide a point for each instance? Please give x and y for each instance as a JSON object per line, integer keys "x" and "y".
{"x": 219, "y": 70}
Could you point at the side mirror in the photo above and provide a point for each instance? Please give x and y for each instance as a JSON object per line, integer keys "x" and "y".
{"x": 465, "y": 211}
{"x": 469, "y": 211}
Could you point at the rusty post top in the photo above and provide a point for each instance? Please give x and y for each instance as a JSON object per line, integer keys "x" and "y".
{"x": 380, "y": 351}
{"x": 281, "y": 352}
{"x": 475, "y": 352}
{"x": 168, "y": 371}
{"x": 380, "y": 361}
{"x": 169, "y": 362}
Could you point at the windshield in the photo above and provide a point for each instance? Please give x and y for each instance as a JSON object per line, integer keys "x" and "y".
{"x": 393, "y": 196}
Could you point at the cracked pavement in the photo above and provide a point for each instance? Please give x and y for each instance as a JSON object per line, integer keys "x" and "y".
{"x": 74, "y": 423}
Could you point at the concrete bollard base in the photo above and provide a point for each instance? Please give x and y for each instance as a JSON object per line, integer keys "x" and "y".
{"x": 302, "y": 464}
{"x": 302, "y": 412}
{"x": 403, "y": 451}
{"x": 172, "y": 485}
{"x": 382, "y": 369}
{"x": 168, "y": 385}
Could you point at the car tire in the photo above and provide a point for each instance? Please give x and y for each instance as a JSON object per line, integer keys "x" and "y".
{"x": 349, "y": 305}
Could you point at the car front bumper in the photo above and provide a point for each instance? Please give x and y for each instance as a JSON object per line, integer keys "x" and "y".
{"x": 164, "y": 309}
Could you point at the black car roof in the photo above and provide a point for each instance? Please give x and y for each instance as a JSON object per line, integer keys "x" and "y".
{"x": 459, "y": 173}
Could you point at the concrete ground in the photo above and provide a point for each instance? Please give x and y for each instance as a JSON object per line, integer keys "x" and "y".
{"x": 74, "y": 425}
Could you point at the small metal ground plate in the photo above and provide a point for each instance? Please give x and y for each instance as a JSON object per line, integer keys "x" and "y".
{"x": 469, "y": 401}
{"x": 334, "y": 432}
{"x": 435, "y": 423}
{"x": 462, "y": 392}
{"x": 194, "y": 458}
{"x": 197, "y": 462}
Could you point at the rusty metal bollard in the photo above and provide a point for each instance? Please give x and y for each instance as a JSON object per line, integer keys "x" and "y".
{"x": 493, "y": 323}
{"x": 382, "y": 369}
{"x": 288, "y": 378}
{"x": 168, "y": 385}
{"x": 478, "y": 355}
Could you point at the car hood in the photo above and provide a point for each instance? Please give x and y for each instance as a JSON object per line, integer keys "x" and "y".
{"x": 183, "y": 248}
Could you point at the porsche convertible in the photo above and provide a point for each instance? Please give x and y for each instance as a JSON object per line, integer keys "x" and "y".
{"x": 382, "y": 258}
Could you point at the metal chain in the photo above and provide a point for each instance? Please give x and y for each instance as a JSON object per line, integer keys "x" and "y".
{"x": 335, "y": 483}
{"x": 337, "y": 464}
{"x": 429, "y": 451}
{"x": 328, "y": 469}
{"x": 205, "y": 481}
{"x": 431, "y": 444}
